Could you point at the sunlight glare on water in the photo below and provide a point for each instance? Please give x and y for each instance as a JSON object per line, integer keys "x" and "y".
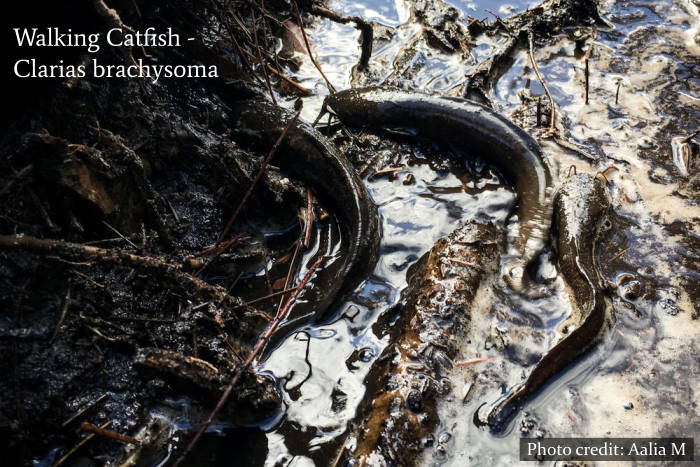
{"x": 634, "y": 111}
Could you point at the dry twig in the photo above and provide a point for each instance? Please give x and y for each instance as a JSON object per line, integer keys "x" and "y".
{"x": 87, "y": 426}
{"x": 474, "y": 361}
{"x": 80, "y": 444}
{"x": 304, "y": 91}
{"x": 84, "y": 409}
{"x": 308, "y": 48}
{"x": 115, "y": 256}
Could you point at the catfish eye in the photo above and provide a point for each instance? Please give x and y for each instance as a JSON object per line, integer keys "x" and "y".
{"x": 606, "y": 225}
{"x": 516, "y": 272}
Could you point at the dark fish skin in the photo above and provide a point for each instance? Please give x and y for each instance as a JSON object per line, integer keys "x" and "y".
{"x": 581, "y": 206}
{"x": 479, "y": 130}
{"x": 309, "y": 156}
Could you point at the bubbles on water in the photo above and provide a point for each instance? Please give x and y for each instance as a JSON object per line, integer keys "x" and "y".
{"x": 366, "y": 354}
{"x": 321, "y": 333}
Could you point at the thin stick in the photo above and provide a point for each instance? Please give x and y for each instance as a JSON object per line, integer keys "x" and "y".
{"x": 240, "y": 52}
{"x": 289, "y": 272}
{"x": 261, "y": 60}
{"x": 270, "y": 295}
{"x": 308, "y": 48}
{"x": 258, "y": 175}
{"x": 472, "y": 362}
{"x": 283, "y": 259}
{"x": 241, "y": 25}
{"x": 217, "y": 250}
{"x": 64, "y": 312}
{"x": 172, "y": 210}
{"x": 586, "y": 74}
{"x": 281, "y": 75}
{"x": 120, "y": 234}
{"x": 267, "y": 270}
{"x": 544, "y": 84}
{"x": 251, "y": 357}
{"x": 339, "y": 455}
{"x": 84, "y": 409}
{"x": 264, "y": 30}
{"x": 390, "y": 170}
{"x": 227, "y": 339}
{"x": 87, "y": 426}
{"x": 309, "y": 216}
{"x": 210, "y": 250}
{"x": 617, "y": 92}
{"x": 105, "y": 240}
{"x": 619, "y": 253}
{"x": 500, "y": 22}
{"x": 79, "y": 445}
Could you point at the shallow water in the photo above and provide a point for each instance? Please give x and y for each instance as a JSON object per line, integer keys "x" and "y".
{"x": 328, "y": 381}
{"x": 642, "y": 379}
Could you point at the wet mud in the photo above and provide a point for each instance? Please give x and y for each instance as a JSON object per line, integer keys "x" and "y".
{"x": 122, "y": 308}
{"x": 426, "y": 328}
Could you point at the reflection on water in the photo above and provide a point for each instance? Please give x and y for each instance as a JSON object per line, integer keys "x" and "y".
{"x": 325, "y": 365}
{"x": 642, "y": 379}
{"x": 389, "y": 13}
{"x": 479, "y": 8}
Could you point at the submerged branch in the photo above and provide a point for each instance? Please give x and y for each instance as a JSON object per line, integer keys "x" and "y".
{"x": 365, "y": 27}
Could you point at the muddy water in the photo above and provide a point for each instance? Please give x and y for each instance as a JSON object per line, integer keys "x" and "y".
{"x": 323, "y": 367}
{"x": 642, "y": 379}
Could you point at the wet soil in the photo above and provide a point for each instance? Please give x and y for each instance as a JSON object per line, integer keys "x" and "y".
{"x": 134, "y": 322}
{"x": 152, "y": 171}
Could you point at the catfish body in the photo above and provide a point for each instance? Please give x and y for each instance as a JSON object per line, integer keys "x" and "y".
{"x": 308, "y": 155}
{"x": 581, "y": 207}
{"x": 480, "y": 131}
